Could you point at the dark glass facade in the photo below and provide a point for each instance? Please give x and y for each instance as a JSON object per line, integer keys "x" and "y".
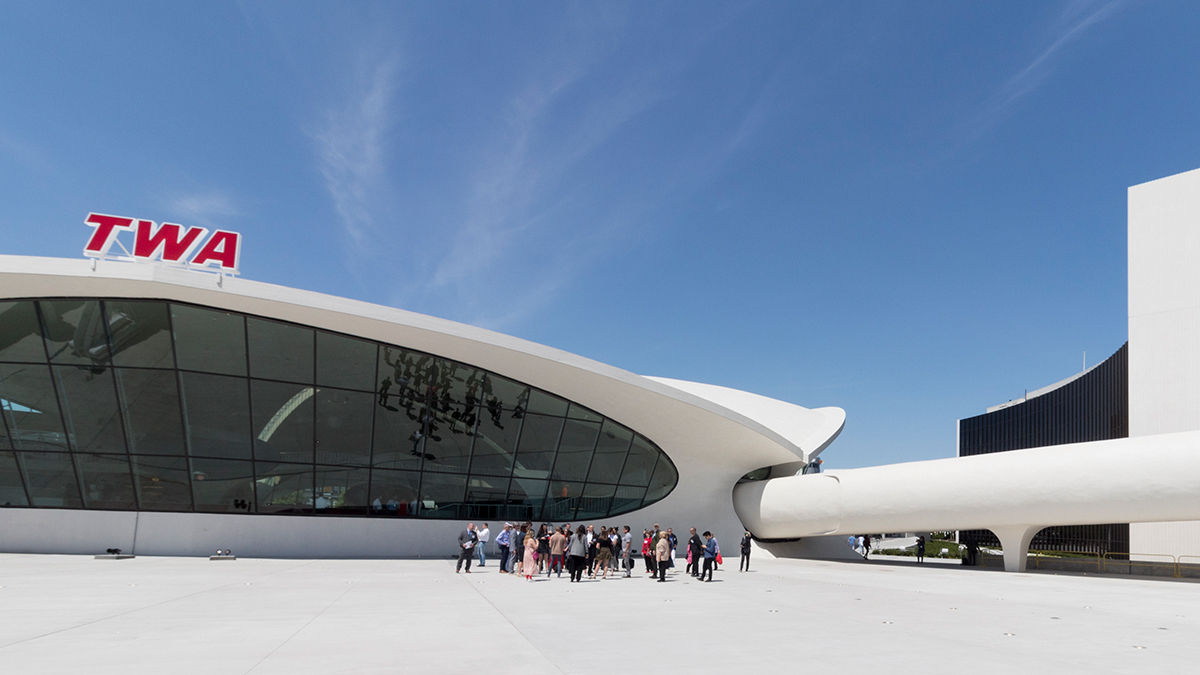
{"x": 150, "y": 405}
{"x": 1093, "y": 407}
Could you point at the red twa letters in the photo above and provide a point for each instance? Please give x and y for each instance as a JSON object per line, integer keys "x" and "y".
{"x": 167, "y": 242}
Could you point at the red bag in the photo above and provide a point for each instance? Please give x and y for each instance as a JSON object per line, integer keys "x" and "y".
{"x": 720, "y": 560}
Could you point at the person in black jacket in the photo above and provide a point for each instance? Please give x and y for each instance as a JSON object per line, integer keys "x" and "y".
{"x": 467, "y": 539}
{"x": 744, "y": 565}
{"x": 696, "y": 551}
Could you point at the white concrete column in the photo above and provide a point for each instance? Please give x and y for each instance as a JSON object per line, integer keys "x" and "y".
{"x": 1015, "y": 539}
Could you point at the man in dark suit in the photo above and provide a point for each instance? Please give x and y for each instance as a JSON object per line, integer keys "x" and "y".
{"x": 696, "y": 548}
{"x": 467, "y": 539}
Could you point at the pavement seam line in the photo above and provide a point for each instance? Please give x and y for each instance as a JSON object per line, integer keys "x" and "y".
{"x": 520, "y": 632}
{"x": 301, "y": 628}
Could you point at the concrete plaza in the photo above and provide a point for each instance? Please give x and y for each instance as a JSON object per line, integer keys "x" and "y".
{"x": 179, "y": 615}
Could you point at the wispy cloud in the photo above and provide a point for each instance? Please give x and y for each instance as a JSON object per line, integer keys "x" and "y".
{"x": 350, "y": 143}
{"x": 1071, "y": 25}
{"x": 206, "y": 208}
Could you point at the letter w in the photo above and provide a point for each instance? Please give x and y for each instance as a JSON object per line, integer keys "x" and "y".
{"x": 169, "y": 241}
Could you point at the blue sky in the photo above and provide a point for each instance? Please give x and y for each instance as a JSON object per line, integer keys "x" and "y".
{"x": 908, "y": 210}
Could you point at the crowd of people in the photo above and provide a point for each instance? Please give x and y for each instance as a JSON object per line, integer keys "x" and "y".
{"x": 596, "y": 551}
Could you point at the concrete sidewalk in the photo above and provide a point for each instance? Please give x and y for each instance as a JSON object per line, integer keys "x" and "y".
{"x": 175, "y": 615}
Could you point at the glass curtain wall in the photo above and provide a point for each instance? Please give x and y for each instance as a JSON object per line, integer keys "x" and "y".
{"x": 143, "y": 404}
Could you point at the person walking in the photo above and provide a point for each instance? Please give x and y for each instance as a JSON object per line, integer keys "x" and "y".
{"x": 648, "y": 553}
{"x": 695, "y": 551}
{"x": 577, "y": 550}
{"x": 662, "y": 551}
{"x": 543, "y": 548}
{"x": 484, "y": 535}
{"x": 673, "y": 541}
{"x": 711, "y": 549}
{"x": 866, "y": 546}
{"x": 466, "y": 547}
{"x": 920, "y": 548}
{"x": 503, "y": 540}
{"x": 558, "y": 545}
{"x": 744, "y": 565}
{"x": 518, "y": 548}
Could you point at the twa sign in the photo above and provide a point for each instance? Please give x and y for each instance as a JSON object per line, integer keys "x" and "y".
{"x": 167, "y": 242}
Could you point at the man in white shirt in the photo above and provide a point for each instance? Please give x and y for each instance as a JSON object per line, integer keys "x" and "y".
{"x": 484, "y": 534}
{"x": 626, "y": 547}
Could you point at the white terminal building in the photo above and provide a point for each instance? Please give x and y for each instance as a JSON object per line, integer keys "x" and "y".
{"x": 167, "y": 411}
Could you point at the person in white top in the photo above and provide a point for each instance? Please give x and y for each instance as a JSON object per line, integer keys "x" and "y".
{"x": 484, "y": 535}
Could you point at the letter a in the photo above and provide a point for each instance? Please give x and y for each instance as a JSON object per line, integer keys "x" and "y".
{"x": 224, "y": 249}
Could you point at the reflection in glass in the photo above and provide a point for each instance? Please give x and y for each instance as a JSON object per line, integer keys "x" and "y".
{"x": 140, "y": 332}
{"x": 106, "y": 481}
{"x": 150, "y": 400}
{"x": 217, "y": 415}
{"x": 561, "y": 500}
{"x": 627, "y": 498}
{"x": 394, "y": 493}
{"x": 486, "y": 497}
{"x": 20, "y": 334}
{"x": 283, "y": 421}
{"x": 343, "y": 427}
{"x": 442, "y": 495}
{"x": 663, "y": 480}
{"x": 283, "y": 488}
{"x": 547, "y": 404}
{"x": 345, "y": 362}
{"x": 209, "y": 340}
{"x": 50, "y": 477}
{"x": 222, "y": 485}
{"x": 74, "y": 331}
{"x": 30, "y": 408}
{"x": 162, "y": 483}
{"x": 448, "y": 441}
{"x": 596, "y": 501}
{"x": 398, "y": 438}
{"x": 341, "y": 491}
{"x": 12, "y": 491}
{"x": 280, "y": 351}
{"x": 89, "y": 406}
{"x": 539, "y": 438}
{"x": 495, "y": 446}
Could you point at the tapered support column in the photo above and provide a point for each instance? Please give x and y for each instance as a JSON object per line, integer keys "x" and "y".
{"x": 1015, "y": 539}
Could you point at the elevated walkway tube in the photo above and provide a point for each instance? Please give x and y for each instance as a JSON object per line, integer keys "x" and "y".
{"x": 1013, "y": 494}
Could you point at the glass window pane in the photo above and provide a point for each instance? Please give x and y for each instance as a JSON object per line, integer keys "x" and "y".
{"x": 394, "y": 493}
{"x": 162, "y": 483}
{"x": 280, "y": 351}
{"x": 611, "y": 449}
{"x": 150, "y": 399}
{"x": 527, "y": 498}
{"x": 283, "y": 421}
{"x": 106, "y": 481}
{"x": 640, "y": 462}
{"x": 283, "y": 488}
{"x": 575, "y": 450}
{"x": 627, "y": 499}
{"x": 140, "y": 332}
{"x": 448, "y": 441}
{"x": 341, "y": 491}
{"x": 442, "y": 495}
{"x": 343, "y": 427}
{"x": 397, "y": 437}
{"x": 50, "y": 477}
{"x": 486, "y": 498}
{"x": 12, "y": 491}
{"x": 20, "y": 334}
{"x": 74, "y": 331}
{"x": 209, "y": 340}
{"x": 581, "y": 413}
{"x": 345, "y": 362}
{"x": 502, "y": 393}
{"x": 223, "y": 486}
{"x": 495, "y": 444}
{"x": 30, "y": 408}
{"x": 217, "y": 415}
{"x": 596, "y": 501}
{"x": 663, "y": 480}
{"x": 539, "y": 439}
{"x": 546, "y": 404}
{"x": 89, "y": 405}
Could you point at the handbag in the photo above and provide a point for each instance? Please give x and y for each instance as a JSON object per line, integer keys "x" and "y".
{"x": 720, "y": 560}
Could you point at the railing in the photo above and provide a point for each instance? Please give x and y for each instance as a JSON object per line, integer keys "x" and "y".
{"x": 1117, "y": 562}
